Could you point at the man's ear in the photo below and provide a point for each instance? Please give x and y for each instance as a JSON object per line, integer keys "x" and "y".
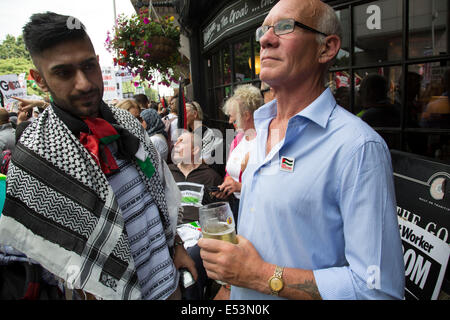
{"x": 329, "y": 49}
{"x": 36, "y": 75}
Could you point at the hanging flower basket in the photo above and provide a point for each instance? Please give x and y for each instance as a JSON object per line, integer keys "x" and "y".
{"x": 145, "y": 45}
{"x": 161, "y": 48}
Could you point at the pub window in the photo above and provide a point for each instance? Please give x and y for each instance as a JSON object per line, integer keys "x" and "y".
{"x": 377, "y": 98}
{"x": 427, "y": 92}
{"x": 339, "y": 83}
{"x": 256, "y": 49}
{"x": 377, "y": 32}
{"x": 242, "y": 61}
{"x": 217, "y": 69}
{"x": 428, "y": 28}
{"x": 226, "y": 66}
{"x": 343, "y": 57}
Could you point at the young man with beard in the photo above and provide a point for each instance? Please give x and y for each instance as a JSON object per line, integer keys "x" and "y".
{"x": 88, "y": 196}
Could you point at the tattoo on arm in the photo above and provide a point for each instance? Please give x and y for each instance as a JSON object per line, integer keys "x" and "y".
{"x": 309, "y": 287}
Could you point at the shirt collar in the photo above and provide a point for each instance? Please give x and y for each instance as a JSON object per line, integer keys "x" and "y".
{"x": 319, "y": 111}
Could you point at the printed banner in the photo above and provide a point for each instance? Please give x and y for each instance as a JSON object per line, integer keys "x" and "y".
{"x": 426, "y": 258}
{"x": 110, "y": 88}
{"x": 422, "y": 190}
{"x": 10, "y": 87}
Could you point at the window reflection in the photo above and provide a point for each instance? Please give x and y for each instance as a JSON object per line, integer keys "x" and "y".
{"x": 377, "y": 97}
{"x": 378, "y": 31}
{"x": 430, "y": 107}
{"x": 378, "y": 100}
{"x": 227, "y": 93}
{"x": 242, "y": 61}
{"x": 428, "y": 28}
{"x": 339, "y": 84}
{"x": 226, "y": 67}
{"x": 257, "y": 48}
{"x": 218, "y": 79}
{"x": 343, "y": 56}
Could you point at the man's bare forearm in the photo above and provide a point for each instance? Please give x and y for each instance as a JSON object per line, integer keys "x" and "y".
{"x": 308, "y": 287}
{"x": 299, "y": 284}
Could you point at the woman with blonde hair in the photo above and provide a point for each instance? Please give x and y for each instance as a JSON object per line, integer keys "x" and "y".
{"x": 240, "y": 108}
{"x": 131, "y": 106}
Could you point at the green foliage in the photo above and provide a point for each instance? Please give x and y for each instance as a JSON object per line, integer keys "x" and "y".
{"x": 151, "y": 93}
{"x": 15, "y": 65}
{"x": 15, "y": 59}
{"x": 13, "y": 48}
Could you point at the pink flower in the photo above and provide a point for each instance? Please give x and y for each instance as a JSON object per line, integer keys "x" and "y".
{"x": 147, "y": 55}
{"x": 146, "y": 21}
{"x": 136, "y": 84}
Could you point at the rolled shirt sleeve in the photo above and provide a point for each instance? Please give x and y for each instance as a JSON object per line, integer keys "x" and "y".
{"x": 373, "y": 249}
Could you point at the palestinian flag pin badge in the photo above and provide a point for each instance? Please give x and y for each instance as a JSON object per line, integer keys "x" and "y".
{"x": 287, "y": 164}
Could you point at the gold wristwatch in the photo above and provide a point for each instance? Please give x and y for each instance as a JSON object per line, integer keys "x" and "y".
{"x": 276, "y": 281}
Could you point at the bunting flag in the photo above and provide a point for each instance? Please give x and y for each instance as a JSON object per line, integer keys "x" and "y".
{"x": 163, "y": 102}
{"x": 182, "y": 121}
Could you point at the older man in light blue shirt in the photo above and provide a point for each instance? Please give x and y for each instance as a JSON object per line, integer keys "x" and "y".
{"x": 333, "y": 213}
{"x": 317, "y": 217}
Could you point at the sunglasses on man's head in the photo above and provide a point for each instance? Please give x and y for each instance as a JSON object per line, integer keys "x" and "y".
{"x": 284, "y": 26}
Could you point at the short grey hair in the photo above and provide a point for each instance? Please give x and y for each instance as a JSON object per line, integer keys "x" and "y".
{"x": 328, "y": 23}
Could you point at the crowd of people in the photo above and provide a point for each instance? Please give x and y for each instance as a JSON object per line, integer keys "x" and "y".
{"x": 97, "y": 195}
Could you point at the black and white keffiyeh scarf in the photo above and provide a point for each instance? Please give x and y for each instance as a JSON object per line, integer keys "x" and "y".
{"x": 61, "y": 211}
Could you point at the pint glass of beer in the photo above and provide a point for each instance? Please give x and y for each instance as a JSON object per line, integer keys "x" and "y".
{"x": 216, "y": 220}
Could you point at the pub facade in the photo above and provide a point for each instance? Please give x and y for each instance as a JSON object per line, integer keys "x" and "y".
{"x": 394, "y": 53}
{"x": 406, "y": 42}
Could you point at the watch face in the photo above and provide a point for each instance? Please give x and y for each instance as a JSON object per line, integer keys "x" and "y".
{"x": 276, "y": 284}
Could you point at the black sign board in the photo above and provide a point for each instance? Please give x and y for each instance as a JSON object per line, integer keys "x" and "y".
{"x": 422, "y": 189}
{"x": 235, "y": 17}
